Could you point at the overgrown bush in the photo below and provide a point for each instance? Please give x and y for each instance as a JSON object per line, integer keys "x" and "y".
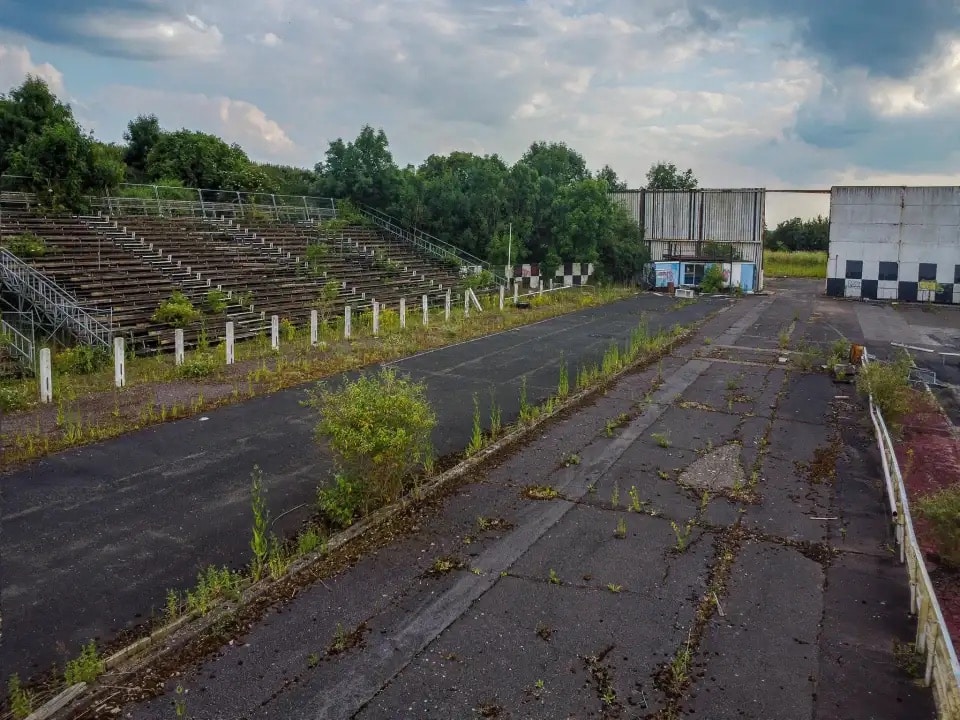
{"x": 14, "y": 398}
{"x": 87, "y": 667}
{"x": 342, "y": 502}
{"x": 177, "y": 311}
{"x": 81, "y": 359}
{"x": 199, "y": 365}
{"x": 712, "y": 281}
{"x": 316, "y": 254}
{"x": 216, "y": 301}
{"x": 942, "y": 511}
{"x": 26, "y": 245}
{"x": 889, "y": 385}
{"x": 288, "y": 331}
{"x": 483, "y": 279}
{"x": 378, "y": 429}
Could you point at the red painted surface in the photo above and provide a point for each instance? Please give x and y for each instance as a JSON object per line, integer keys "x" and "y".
{"x": 929, "y": 457}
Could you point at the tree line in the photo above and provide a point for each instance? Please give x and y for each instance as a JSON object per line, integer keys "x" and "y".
{"x": 548, "y": 207}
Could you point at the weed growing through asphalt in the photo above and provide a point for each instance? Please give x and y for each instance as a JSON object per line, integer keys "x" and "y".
{"x": 524, "y": 402}
{"x": 213, "y": 586}
{"x": 571, "y": 459}
{"x": 544, "y": 632}
{"x": 554, "y": 578}
{"x": 344, "y": 640}
{"x": 614, "y": 588}
{"x": 308, "y": 541}
{"x": 907, "y": 658}
{"x": 682, "y": 534}
{"x": 496, "y": 417}
{"x": 313, "y": 659}
{"x": 615, "y": 423}
{"x": 615, "y": 495}
{"x": 476, "y": 436}
{"x": 279, "y": 559}
{"x": 663, "y": 474}
{"x": 20, "y": 699}
{"x": 678, "y": 671}
{"x": 86, "y": 667}
{"x": 172, "y": 609}
{"x": 445, "y": 564}
{"x": 636, "y": 504}
{"x": 261, "y": 522}
{"x": 662, "y": 439}
{"x": 563, "y": 386}
{"x": 180, "y": 703}
{"x": 541, "y": 492}
{"x": 621, "y": 532}
{"x": 783, "y": 339}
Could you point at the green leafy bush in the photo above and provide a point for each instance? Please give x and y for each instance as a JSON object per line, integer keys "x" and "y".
{"x": 889, "y": 385}
{"x": 85, "y": 668}
{"x": 81, "y": 359}
{"x": 378, "y": 428}
{"x": 942, "y": 511}
{"x": 14, "y": 398}
{"x": 342, "y": 502}
{"x": 26, "y": 245}
{"x": 216, "y": 301}
{"x": 177, "y": 311}
{"x": 316, "y": 254}
{"x": 21, "y": 700}
{"x": 482, "y": 279}
{"x": 712, "y": 279}
{"x": 288, "y": 331}
{"x": 199, "y": 365}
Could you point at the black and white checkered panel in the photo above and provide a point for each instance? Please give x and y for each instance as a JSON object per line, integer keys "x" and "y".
{"x": 574, "y": 273}
{"x": 895, "y": 243}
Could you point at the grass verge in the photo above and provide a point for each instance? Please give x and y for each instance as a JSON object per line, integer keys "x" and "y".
{"x": 801, "y": 264}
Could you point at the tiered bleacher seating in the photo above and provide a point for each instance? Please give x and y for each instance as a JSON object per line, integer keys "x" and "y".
{"x": 129, "y": 265}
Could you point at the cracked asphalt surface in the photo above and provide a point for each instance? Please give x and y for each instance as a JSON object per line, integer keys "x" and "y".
{"x": 94, "y": 537}
{"x": 630, "y": 595}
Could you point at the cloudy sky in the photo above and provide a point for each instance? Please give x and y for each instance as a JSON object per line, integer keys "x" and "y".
{"x": 746, "y": 92}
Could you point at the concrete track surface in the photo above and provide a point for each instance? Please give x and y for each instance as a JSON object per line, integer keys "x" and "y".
{"x": 723, "y": 553}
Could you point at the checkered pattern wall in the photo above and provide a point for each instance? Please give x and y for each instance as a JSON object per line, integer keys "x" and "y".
{"x": 567, "y": 274}
{"x": 895, "y": 243}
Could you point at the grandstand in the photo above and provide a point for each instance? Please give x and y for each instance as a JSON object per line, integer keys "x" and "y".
{"x": 105, "y": 274}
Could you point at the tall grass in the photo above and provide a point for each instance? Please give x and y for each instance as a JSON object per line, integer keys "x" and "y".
{"x": 779, "y": 263}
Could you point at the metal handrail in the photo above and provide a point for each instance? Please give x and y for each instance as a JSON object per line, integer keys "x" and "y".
{"x": 425, "y": 241}
{"x": 21, "y": 344}
{"x": 50, "y": 297}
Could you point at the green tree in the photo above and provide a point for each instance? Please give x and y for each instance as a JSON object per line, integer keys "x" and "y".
{"x": 362, "y": 170}
{"x": 797, "y": 234}
{"x": 24, "y": 114}
{"x": 286, "y": 180}
{"x": 583, "y": 219}
{"x": 623, "y": 254}
{"x": 666, "y": 176}
{"x": 609, "y": 175}
{"x": 201, "y": 160}
{"x": 141, "y": 135}
{"x": 557, "y": 161}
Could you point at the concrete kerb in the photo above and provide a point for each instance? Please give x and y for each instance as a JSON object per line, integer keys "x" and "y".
{"x": 145, "y": 651}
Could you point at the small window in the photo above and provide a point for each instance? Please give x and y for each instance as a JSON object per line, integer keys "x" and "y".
{"x": 956, "y": 274}
{"x": 854, "y": 270}
{"x": 928, "y": 272}
{"x": 888, "y": 271}
{"x": 692, "y": 273}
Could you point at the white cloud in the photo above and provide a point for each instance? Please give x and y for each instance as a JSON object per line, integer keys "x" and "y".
{"x": 149, "y": 36}
{"x": 16, "y": 63}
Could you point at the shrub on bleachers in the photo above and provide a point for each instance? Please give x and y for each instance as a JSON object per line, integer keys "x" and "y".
{"x": 177, "y": 311}
{"x": 288, "y": 331}
{"x": 81, "y": 359}
{"x": 216, "y": 302}
{"x": 26, "y": 245}
{"x": 327, "y": 300}
{"x": 316, "y": 254}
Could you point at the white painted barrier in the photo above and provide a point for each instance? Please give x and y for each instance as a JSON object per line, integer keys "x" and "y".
{"x": 346, "y": 322}
{"x": 446, "y": 313}
{"x": 942, "y": 669}
{"x": 426, "y": 311}
{"x": 376, "y": 318}
{"x": 314, "y": 328}
{"x": 275, "y": 332}
{"x": 119, "y": 363}
{"x": 403, "y": 313}
{"x": 178, "y": 347}
{"x": 228, "y": 344}
{"x": 46, "y": 376}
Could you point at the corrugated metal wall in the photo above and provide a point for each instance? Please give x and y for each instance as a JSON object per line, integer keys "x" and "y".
{"x": 679, "y": 222}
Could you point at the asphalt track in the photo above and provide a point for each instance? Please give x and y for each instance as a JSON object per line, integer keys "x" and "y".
{"x": 94, "y": 537}
{"x": 559, "y": 611}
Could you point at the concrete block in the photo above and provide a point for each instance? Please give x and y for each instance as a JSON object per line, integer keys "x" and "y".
{"x": 376, "y": 318}
{"x": 426, "y": 311}
{"x": 403, "y": 313}
{"x": 314, "y": 327}
{"x": 178, "y": 347}
{"x": 228, "y": 344}
{"x": 119, "y": 363}
{"x": 275, "y": 332}
{"x": 346, "y": 322}
{"x": 46, "y": 376}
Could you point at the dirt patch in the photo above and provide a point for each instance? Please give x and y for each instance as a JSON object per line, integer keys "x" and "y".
{"x": 719, "y": 469}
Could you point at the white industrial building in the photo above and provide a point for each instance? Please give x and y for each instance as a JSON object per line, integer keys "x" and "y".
{"x": 895, "y": 243}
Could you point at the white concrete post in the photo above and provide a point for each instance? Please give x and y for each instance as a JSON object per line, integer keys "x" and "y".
{"x": 516, "y": 292}
{"x": 426, "y": 312}
{"x": 228, "y": 343}
{"x": 466, "y": 304}
{"x": 403, "y": 313}
{"x": 446, "y": 308}
{"x": 346, "y": 321}
{"x": 314, "y": 328}
{"x": 119, "y": 363}
{"x": 503, "y": 291}
{"x": 376, "y": 318}
{"x": 540, "y": 286}
{"x": 551, "y": 283}
{"x": 46, "y": 376}
{"x": 275, "y": 332}
{"x": 178, "y": 347}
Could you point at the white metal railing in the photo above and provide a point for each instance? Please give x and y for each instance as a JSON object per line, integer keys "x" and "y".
{"x": 21, "y": 345}
{"x": 427, "y": 243}
{"x": 942, "y": 670}
{"x": 62, "y": 307}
